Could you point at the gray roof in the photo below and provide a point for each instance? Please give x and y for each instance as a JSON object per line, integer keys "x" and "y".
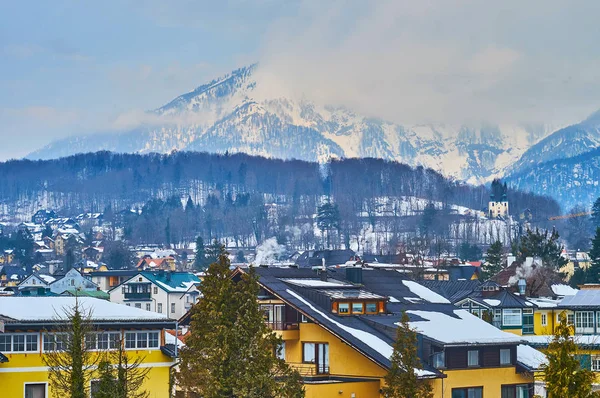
{"x": 585, "y": 298}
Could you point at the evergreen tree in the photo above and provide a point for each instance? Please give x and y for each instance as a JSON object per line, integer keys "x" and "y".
{"x": 328, "y": 219}
{"x": 47, "y": 232}
{"x": 230, "y": 352}
{"x": 469, "y": 252}
{"x": 563, "y": 373}
{"x": 106, "y": 385}
{"x": 129, "y": 375}
{"x": 117, "y": 255}
{"x": 592, "y": 274}
{"x": 544, "y": 245}
{"x": 69, "y": 260}
{"x": 596, "y": 213}
{"x": 401, "y": 379}
{"x": 494, "y": 260}
{"x": 70, "y": 364}
{"x": 427, "y": 220}
{"x": 200, "y": 259}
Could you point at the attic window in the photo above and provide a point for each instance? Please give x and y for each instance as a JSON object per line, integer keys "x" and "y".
{"x": 344, "y": 308}
{"x": 140, "y": 279}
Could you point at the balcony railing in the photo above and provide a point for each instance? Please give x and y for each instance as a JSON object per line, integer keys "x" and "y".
{"x": 283, "y": 325}
{"x": 138, "y": 296}
{"x": 309, "y": 369}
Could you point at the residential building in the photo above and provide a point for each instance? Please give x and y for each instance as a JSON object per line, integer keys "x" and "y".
{"x": 316, "y": 258}
{"x": 164, "y": 292}
{"x": 338, "y": 329}
{"x": 148, "y": 263}
{"x": 106, "y": 279}
{"x": 41, "y": 216}
{"x": 38, "y": 284}
{"x": 30, "y": 325}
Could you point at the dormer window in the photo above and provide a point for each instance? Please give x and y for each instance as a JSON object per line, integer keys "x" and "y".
{"x": 344, "y": 308}
{"x": 371, "y": 308}
{"x": 358, "y": 308}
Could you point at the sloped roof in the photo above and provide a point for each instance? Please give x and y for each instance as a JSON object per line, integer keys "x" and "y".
{"x": 172, "y": 282}
{"x": 585, "y": 298}
{"x": 332, "y": 257}
{"x": 452, "y": 290}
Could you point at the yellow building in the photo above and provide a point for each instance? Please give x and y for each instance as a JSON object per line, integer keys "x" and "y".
{"x": 338, "y": 330}
{"x": 28, "y": 330}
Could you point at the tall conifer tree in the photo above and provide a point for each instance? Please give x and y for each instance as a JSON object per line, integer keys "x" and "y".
{"x": 401, "y": 380}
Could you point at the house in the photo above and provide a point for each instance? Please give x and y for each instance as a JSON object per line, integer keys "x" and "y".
{"x": 35, "y": 285}
{"x": 583, "y": 312}
{"x": 7, "y": 256}
{"x": 93, "y": 253}
{"x": 87, "y": 220}
{"x": 150, "y": 263}
{"x": 338, "y": 328}
{"x": 12, "y": 275}
{"x": 30, "y": 327}
{"x": 73, "y": 279}
{"x": 164, "y": 292}
{"x": 316, "y": 258}
{"x": 107, "y": 279}
{"x": 41, "y": 216}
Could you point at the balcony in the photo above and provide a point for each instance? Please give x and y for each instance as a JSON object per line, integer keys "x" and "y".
{"x": 309, "y": 369}
{"x": 138, "y": 296}
{"x": 285, "y": 330}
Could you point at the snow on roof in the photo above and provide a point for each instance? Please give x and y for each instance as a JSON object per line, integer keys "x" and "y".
{"x": 171, "y": 339}
{"x": 463, "y": 328}
{"x": 492, "y": 302}
{"x": 394, "y": 299}
{"x": 544, "y": 340}
{"x": 563, "y": 290}
{"x": 424, "y": 293}
{"x": 52, "y": 308}
{"x": 544, "y": 302}
{"x": 47, "y": 278}
{"x": 306, "y": 282}
{"x": 373, "y": 341}
{"x": 530, "y": 357}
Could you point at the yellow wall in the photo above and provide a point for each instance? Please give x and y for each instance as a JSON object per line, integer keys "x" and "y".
{"x": 343, "y": 390}
{"x": 29, "y": 368}
{"x": 491, "y": 379}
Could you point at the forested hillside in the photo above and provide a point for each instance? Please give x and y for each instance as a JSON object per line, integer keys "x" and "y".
{"x": 244, "y": 197}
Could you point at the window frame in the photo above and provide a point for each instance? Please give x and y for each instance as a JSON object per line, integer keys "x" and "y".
{"x": 137, "y": 342}
{"x": 465, "y": 391}
{"x": 508, "y": 313}
{"x": 506, "y": 350}
{"x": 469, "y": 365}
{"x": 362, "y": 307}
{"x": 347, "y": 305}
{"x": 173, "y": 308}
{"x": 367, "y": 307}
{"x": 159, "y": 308}
{"x": 35, "y": 383}
{"x": 544, "y": 319}
{"x": 595, "y": 363}
{"x": 24, "y": 343}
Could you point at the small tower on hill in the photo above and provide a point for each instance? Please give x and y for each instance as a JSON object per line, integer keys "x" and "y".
{"x": 498, "y": 204}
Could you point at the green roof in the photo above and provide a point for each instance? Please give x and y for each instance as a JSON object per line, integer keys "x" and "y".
{"x": 88, "y": 293}
{"x": 172, "y": 281}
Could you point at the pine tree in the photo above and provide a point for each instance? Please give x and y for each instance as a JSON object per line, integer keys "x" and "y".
{"x": 199, "y": 261}
{"x": 401, "y": 380}
{"x": 70, "y": 365}
{"x": 106, "y": 385}
{"x": 596, "y": 213}
{"x": 563, "y": 374}
{"x": 544, "y": 245}
{"x": 230, "y": 352}
{"x": 494, "y": 260}
{"x": 592, "y": 274}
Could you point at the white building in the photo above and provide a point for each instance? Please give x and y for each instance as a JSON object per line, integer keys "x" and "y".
{"x": 38, "y": 284}
{"x": 168, "y": 293}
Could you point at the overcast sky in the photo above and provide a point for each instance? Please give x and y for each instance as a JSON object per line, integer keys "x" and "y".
{"x": 72, "y": 67}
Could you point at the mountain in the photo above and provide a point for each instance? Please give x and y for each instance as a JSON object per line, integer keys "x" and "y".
{"x": 228, "y": 115}
{"x": 571, "y": 181}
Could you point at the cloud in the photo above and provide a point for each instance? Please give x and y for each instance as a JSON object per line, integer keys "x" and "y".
{"x": 440, "y": 61}
{"x": 56, "y": 49}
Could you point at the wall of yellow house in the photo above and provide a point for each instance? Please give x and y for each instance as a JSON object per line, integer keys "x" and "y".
{"x": 518, "y": 332}
{"x": 540, "y": 329}
{"x": 343, "y": 390}
{"x": 30, "y": 368}
{"x": 491, "y": 379}
{"x": 343, "y": 359}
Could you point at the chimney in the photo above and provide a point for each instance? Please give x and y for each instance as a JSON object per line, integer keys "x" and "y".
{"x": 354, "y": 274}
{"x": 522, "y": 284}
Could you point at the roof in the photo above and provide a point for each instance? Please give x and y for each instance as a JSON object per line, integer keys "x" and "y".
{"x": 586, "y": 298}
{"x": 87, "y": 293}
{"x": 587, "y": 341}
{"x": 432, "y": 315}
{"x": 171, "y": 282}
{"x": 332, "y": 257}
{"x": 530, "y": 358}
{"x": 452, "y": 290}
{"x": 3, "y": 358}
{"x": 563, "y": 290}
{"x": 51, "y": 309}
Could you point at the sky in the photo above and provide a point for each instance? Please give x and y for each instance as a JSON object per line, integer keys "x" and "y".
{"x": 76, "y": 67}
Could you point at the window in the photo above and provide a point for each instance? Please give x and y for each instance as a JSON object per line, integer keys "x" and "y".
{"x": 544, "y": 319}
{"x": 357, "y": 308}
{"x": 470, "y": 392}
{"x": 344, "y": 308}
{"x": 438, "y": 360}
{"x": 141, "y": 340}
{"x": 515, "y": 391}
{"x": 571, "y": 319}
{"x": 511, "y": 317}
{"x": 371, "y": 308}
{"x": 72, "y": 282}
{"x": 595, "y": 363}
{"x": 138, "y": 305}
{"x": 172, "y": 308}
{"x": 102, "y": 340}
{"x": 35, "y": 390}
{"x": 281, "y": 351}
{"x": 308, "y": 352}
{"x": 505, "y": 356}
{"x": 465, "y": 305}
{"x": 18, "y": 342}
{"x": 155, "y": 290}
{"x": 123, "y": 289}
{"x": 473, "y": 358}
{"x": 147, "y": 306}
{"x": 159, "y": 308}
{"x": 128, "y": 304}
{"x": 584, "y": 322}
{"x": 55, "y": 341}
